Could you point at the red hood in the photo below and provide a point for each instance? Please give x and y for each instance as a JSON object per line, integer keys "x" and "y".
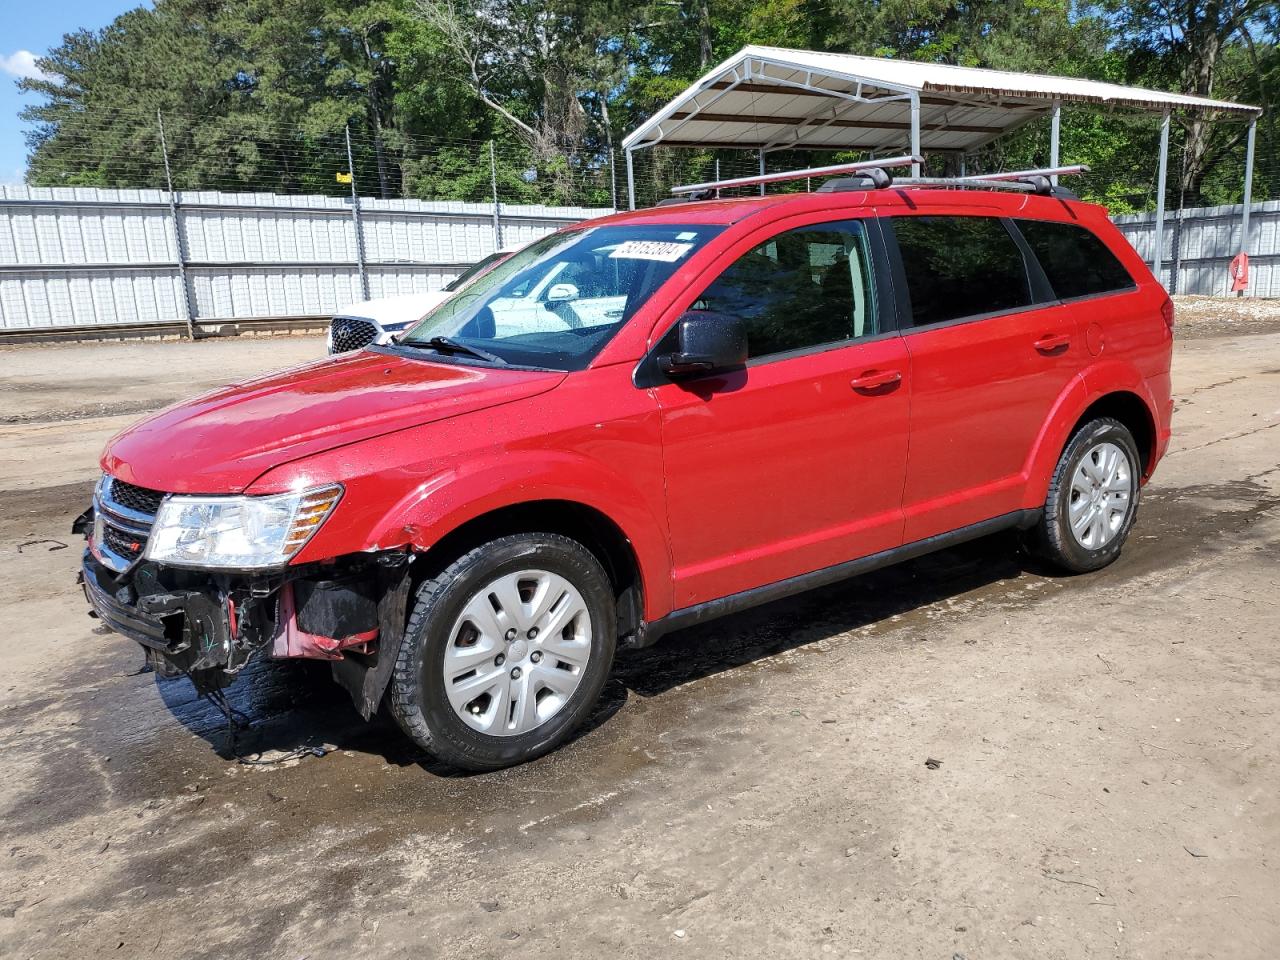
{"x": 222, "y": 441}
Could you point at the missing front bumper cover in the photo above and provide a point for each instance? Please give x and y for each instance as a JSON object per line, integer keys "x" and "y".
{"x": 210, "y": 625}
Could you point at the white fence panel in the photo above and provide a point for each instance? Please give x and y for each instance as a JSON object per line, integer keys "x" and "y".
{"x": 1200, "y": 243}
{"x": 81, "y": 256}
{"x": 72, "y": 257}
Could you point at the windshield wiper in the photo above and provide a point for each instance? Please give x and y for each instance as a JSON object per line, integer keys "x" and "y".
{"x": 449, "y": 345}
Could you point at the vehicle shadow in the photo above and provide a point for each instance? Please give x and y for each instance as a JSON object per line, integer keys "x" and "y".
{"x": 771, "y": 629}
{"x": 288, "y": 709}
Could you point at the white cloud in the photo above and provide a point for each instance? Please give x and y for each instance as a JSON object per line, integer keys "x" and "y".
{"x": 22, "y": 63}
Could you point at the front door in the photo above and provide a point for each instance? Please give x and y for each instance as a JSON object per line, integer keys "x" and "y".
{"x": 796, "y": 462}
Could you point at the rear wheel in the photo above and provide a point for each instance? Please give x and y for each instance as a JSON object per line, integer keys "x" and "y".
{"x": 1093, "y": 498}
{"x": 505, "y": 652}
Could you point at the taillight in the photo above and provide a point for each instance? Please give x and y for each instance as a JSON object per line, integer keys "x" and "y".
{"x": 1166, "y": 311}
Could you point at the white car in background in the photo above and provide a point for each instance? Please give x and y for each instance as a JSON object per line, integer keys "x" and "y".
{"x": 377, "y": 321}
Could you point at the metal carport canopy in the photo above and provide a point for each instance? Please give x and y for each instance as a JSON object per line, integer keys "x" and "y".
{"x": 769, "y": 98}
{"x": 772, "y": 98}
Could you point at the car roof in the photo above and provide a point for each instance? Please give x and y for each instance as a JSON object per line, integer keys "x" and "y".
{"x": 732, "y": 210}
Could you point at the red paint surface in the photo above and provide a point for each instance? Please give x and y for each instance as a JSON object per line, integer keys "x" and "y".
{"x": 719, "y": 486}
{"x": 222, "y": 441}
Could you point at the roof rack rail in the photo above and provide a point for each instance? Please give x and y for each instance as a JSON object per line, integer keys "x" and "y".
{"x": 874, "y": 175}
{"x": 870, "y": 166}
{"x": 1023, "y": 181}
{"x": 1030, "y": 174}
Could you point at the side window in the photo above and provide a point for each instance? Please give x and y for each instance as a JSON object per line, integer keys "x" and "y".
{"x": 1076, "y": 262}
{"x": 806, "y": 287}
{"x": 960, "y": 267}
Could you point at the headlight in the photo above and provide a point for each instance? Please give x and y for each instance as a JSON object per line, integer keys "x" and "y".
{"x": 238, "y": 532}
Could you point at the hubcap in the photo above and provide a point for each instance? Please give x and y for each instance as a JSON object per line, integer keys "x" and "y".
{"x": 517, "y": 652}
{"x": 1101, "y": 493}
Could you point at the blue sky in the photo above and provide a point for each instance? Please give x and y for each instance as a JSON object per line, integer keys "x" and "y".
{"x": 30, "y": 28}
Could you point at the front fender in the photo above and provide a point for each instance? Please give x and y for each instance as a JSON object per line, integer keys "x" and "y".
{"x": 465, "y": 489}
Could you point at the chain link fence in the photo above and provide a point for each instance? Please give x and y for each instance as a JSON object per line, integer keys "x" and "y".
{"x": 148, "y": 150}
{"x": 181, "y": 219}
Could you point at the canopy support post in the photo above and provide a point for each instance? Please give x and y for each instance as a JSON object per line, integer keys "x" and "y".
{"x": 631, "y": 183}
{"x": 1055, "y": 133}
{"x": 1160, "y": 185}
{"x": 915, "y": 132}
{"x": 1248, "y": 187}
{"x": 761, "y": 153}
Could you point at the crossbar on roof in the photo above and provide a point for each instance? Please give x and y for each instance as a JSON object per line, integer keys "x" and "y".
{"x": 784, "y": 176}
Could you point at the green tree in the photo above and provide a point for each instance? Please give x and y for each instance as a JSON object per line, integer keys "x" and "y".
{"x": 97, "y": 125}
{"x": 1211, "y": 48}
{"x": 258, "y": 94}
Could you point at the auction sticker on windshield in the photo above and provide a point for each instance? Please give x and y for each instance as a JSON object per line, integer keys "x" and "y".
{"x": 662, "y": 250}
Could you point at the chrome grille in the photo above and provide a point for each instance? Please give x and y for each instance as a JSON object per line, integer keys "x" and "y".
{"x": 350, "y": 333}
{"x": 123, "y": 515}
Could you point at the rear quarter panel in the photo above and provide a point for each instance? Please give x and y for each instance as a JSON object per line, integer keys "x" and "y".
{"x": 1136, "y": 344}
{"x": 1130, "y": 346}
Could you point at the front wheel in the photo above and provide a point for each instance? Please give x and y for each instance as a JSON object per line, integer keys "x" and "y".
{"x": 1093, "y": 498}
{"x": 506, "y": 651}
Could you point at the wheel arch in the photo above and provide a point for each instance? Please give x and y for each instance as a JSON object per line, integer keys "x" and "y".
{"x": 1132, "y": 411}
{"x": 1123, "y": 398}
{"x": 588, "y": 525}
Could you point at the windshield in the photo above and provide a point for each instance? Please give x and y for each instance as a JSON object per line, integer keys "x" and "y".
{"x": 557, "y": 302}
{"x": 469, "y": 274}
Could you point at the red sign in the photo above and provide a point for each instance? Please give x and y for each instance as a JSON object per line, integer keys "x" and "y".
{"x": 1239, "y": 273}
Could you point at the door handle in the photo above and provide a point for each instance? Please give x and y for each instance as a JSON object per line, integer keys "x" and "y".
{"x": 874, "y": 379}
{"x": 1052, "y": 342}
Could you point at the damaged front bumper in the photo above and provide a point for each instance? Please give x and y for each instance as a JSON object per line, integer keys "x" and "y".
{"x": 209, "y": 625}
{"x": 120, "y": 615}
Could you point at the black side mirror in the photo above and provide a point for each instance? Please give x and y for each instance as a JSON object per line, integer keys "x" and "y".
{"x": 706, "y": 342}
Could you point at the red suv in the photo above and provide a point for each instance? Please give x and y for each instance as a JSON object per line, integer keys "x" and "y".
{"x": 715, "y": 404}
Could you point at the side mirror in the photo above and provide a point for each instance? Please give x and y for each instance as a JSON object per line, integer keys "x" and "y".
{"x": 706, "y": 342}
{"x": 562, "y": 293}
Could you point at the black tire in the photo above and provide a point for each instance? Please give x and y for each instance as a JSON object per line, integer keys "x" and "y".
{"x": 1052, "y": 538}
{"x": 416, "y": 695}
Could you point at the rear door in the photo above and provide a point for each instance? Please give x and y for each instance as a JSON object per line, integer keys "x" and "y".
{"x": 989, "y": 357}
{"x": 796, "y": 462}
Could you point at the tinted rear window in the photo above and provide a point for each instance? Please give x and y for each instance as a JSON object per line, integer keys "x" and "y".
{"x": 1076, "y": 262}
{"x": 960, "y": 267}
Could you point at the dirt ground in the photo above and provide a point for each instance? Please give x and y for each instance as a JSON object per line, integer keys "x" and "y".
{"x": 1108, "y": 783}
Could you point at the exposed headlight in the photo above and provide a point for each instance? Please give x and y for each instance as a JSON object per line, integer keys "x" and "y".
{"x": 238, "y": 532}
